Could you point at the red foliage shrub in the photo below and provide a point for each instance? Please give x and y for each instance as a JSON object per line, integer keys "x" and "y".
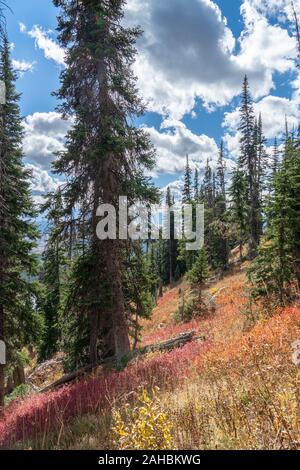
{"x": 40, "y": 414}
{"x": 228, "y": 347}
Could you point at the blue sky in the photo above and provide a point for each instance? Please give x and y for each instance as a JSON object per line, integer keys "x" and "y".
{"x": 190, "y": 66}
{"x": 37, "y": 85}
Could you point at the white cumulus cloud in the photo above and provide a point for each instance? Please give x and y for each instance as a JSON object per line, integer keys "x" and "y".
{"x": 44, "y": 41}
{"x": 44, "y": 135}
{"x": 42, "y": 182}
{"x": 190, "y": 52}
{"x": 174, "y": 141}
{"x": 274, "y": 110}
{"x": 23, "y": 65}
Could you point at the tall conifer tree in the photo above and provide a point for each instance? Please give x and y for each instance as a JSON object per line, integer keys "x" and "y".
{"x": 249, "y": 164}
{"x": 54, "y": 276}
{"x": 106, "y": 157}
{"x": 238, "y": 207}
{"x": 19, "y": 324}
{"x": 276, "y": 157}
{"x": 220, "y": 181}
{"x": 196, "y": 186}
{"x": 187, "y": 189}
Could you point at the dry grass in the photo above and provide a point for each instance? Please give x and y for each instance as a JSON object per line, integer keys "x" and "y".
{"x": 244, "y": 390}
{"x": 245, "y": 396}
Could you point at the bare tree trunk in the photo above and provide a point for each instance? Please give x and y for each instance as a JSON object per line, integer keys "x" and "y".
{"x": 105, "y": 334}
{"x": 182, "y": 306}
{"x": 161, "y": 293}
{"x": 120, "y": 325}
{"x": 9, "y": 385}
{"x": 296, "y": 21}
{"x": 200, "y": 296}
{"x": 93, "y": 337}
{"x": 18, "y": 376}
{"x": 171, "y": 279}
{"x": 136, "y": 331}
{"x": 107, "y": 191}
{"x": 122, "y": 345}
{"x": 94, "y": 313}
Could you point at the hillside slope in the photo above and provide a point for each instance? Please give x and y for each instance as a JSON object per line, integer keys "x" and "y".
{"x": 237, "y": 389}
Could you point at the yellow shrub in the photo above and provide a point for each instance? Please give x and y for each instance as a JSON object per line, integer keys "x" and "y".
{"x": 144, "y": 426}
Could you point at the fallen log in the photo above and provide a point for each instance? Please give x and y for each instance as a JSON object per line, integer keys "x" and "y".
{"x": 67, "y": 378}
{"x": 167, "y": 345}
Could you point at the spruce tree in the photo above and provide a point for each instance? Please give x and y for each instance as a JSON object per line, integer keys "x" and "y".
{"x": 54, "y": 277}
{"x": 187, "y": 189}
{"x": 169, "y": 248}
{"x": 198, "y": 275}
{"x": 238, "y": 207}
{"x": 273, "y": 170}
{"x": 262, "y": 157}
{"x": 288, "y": 184}
{"x": 277, "y": 268}
{"x": 196, "y": 186}
{"x": 261, "y": 185}
{"x": 208, "y": 187}
{"x": 220, "y": 176}
{"x": 154, "y": 269}
{"x": 275, "y": 158}
{"x": 171, "y": 242}
{"x": 160, "y": 250}
{"x": 220, "y": 224}
{"x": 297, "y": 28}
{"x": 140, "y": 283}
{"x": 273, "y": 270}
{"x": 184, "y": 257}
{"x": 106, "y": 157}
{"x": 209, "y": 193}
{"x": 19, "y": 322}
{"x": 249, "y": 165}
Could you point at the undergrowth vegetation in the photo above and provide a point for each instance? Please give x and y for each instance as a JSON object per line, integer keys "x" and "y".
{"x": 144, "y": 425}
{"x": 246, "y": 396}
{"x": 238, "y": 389}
